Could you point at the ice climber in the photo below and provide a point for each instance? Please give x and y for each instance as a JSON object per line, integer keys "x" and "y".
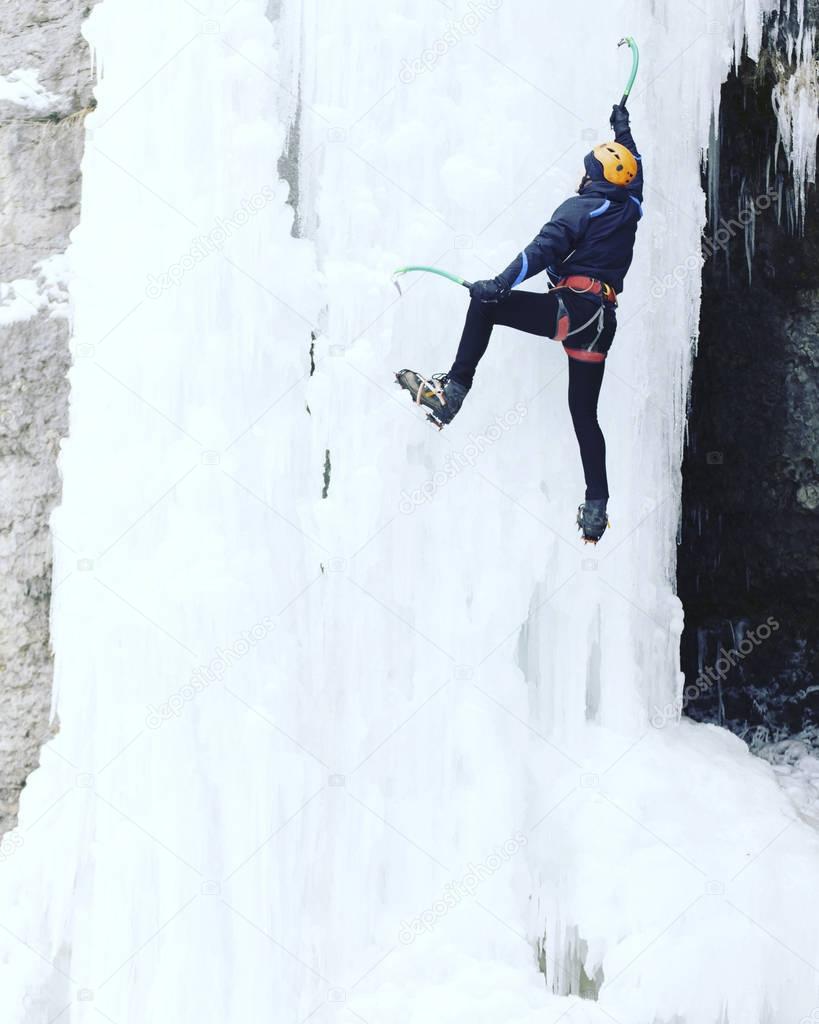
{"x": 586, "y": 250}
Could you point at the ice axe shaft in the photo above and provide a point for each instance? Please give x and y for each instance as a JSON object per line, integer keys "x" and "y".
{"x": 635, "y": 64}
{"x": 428, "y": 270}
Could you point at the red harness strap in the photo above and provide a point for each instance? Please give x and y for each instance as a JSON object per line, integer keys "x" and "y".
{"x": 581, "y": 283}
{"x": 564, "y": 322}
{"x": 582, "y": 356}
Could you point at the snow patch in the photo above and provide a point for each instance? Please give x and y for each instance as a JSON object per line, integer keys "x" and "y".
{"x": 24, "y": 298}
{"x": 796, "y": 764}
{"x": 23, "y": 87}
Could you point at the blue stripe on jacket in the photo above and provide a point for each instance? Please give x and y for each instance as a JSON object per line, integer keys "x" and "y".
{"x": 523, "y": 270}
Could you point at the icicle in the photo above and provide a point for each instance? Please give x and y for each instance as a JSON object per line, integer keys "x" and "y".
{"x": 702, "y": 649}
{"x": 748, "y": 220}
{"x": 713, "y": 169}
{"x": 795, "y": 101}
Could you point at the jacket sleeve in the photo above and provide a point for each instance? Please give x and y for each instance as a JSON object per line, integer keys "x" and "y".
{"x": 552, "y": 244}
{"x": 625, "y": 138}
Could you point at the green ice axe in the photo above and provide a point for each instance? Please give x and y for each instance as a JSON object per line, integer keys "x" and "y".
{"x": 635, "y": 57}
{"x": 635, "y": 64}
{"x": 429, "y": 270}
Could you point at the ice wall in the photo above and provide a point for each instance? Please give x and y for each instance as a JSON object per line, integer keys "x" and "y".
{"x": 352, "y": 728}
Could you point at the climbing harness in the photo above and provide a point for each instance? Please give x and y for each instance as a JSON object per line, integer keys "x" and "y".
{"x": 582, "y": 285}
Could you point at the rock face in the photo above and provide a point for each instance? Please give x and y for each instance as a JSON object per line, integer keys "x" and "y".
{"x": 45, "y": 84}
{"x": 750, "y": 538}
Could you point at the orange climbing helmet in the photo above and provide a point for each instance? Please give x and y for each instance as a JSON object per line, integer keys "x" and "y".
{"x": 617, "y": 163}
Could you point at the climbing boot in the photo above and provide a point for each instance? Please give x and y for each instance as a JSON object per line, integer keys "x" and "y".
{"x": 592, "y": 520}
{"x": 440, "y": 395}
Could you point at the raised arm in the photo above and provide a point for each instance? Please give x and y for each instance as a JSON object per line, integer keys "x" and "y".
{"x": 620, "y": 122}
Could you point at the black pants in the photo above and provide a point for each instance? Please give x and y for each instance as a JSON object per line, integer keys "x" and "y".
{"x": 537, "y": 314}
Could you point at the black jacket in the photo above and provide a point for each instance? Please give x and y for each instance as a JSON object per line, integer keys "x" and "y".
{"x": 592, "y": 233}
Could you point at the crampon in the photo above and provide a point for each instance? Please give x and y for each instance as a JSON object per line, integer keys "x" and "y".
{"x": 592, "y": 520}
{"x": 440, "y": 396}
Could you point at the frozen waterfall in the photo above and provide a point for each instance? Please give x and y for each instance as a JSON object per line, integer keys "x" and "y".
{"x": 352, "y": 727}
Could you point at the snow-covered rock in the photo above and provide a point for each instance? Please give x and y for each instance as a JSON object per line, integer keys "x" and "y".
{"x": 44, "y": 75}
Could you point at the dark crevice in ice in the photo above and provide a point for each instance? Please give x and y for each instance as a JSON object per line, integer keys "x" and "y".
{"x": 327, "y": 470}
{"x": 748, "y": 566}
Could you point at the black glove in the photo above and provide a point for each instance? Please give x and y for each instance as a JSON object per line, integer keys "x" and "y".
{"x": 619, "y": 119}
{"x": 493, "y": 290}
